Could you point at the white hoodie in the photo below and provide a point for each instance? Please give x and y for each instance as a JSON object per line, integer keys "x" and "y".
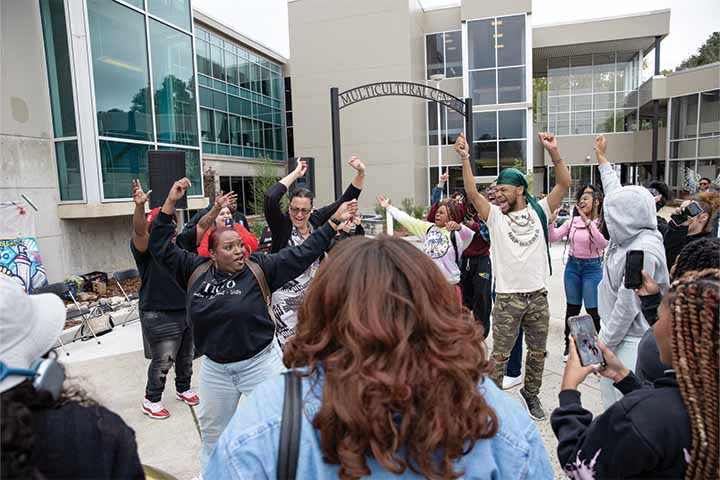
{"x": 631, "y": 221}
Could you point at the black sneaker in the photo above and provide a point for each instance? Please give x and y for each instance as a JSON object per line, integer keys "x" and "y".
{"x": 565, "y": 353}
{"x": 532, "y": 405}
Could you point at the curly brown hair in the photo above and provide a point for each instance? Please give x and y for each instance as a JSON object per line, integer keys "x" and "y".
{"x": 400, "y": 361}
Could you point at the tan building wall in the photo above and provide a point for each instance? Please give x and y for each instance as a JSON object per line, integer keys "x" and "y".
{"x": 483, "y": 9}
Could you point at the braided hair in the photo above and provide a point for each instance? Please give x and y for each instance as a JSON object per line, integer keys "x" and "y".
{"x": 697, "y": 255}
{"x": 696, "y": 356}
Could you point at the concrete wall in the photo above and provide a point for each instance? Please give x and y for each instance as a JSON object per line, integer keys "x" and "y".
{"x": 472, "y": 9}
{"x": 442, "y": 19}
{"x": 344, "y": 44}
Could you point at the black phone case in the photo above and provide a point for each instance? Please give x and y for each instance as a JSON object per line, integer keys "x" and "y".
{"x": 633, "y": 279}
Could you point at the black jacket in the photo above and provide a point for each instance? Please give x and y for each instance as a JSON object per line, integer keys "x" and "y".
{"x": 227, "y": 310}
{"x": 280, "y": 223}
{"x": 675, "y": 239}
{"x": 646, "y": 434}
{"x": 649, "y": 367}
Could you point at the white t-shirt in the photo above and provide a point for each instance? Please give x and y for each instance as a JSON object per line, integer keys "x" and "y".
{"x": 518, "y": 249}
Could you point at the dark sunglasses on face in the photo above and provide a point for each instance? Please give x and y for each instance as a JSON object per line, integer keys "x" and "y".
{"x": 303, "y": 211}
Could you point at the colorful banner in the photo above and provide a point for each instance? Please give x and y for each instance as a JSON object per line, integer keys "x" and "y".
{"x": 19, "y": 252}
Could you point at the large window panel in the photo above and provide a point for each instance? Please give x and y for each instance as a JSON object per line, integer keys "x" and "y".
{"x": 581, "y": 123}
{"x": 559, "y": 123}
{"x": 484, "y": 126}
{"x": 627, "y": 71}
{"x": 511, "y": 41}
{"x": 481, "y": 44}
{"x": 485, "y": 156}
{"x": 626, "y": 120}
{"x": 120, "y": 70}
{"x": 511, "y": 85}
{"x": 207, "y": 124}
{"x": 710, "y": 113}
{"x": 455, "y": 126}
{"x": 434, "y": 54}
{"x": 682, "y": 178}
{"x": 121, "y": 163}
{"x": 581, "y": 103}
{"x": 559, "y": 76}
{"x": 604, "y": 101}
{"x": 433, "y": 117}
{"x": 57, "y": 56}
{"x": 604, "y": 121}
{"x": 559, "y": 104}
{"x": 222, "y": 134}
{"x": 684, "y": 117}
{"x": 68, "y": 168}
{"x": 244, "y": 72}
{"x": 482, "y": 87}
{"x": 174, "y": 84}
{"x": 604, "y": 73}
{"x": 511, "y": 124}
{"x": 203, "y": 57}
{"x": 217, "y": 55}
{"x": 231, "y": 68}
{"x": 453, "y": 54}
{"x": 683, "y": 149}
{"x": 512, "y": 154}
{"x": 581, "y": 74}
{"x": 176, "y": 12}
{"x": 192, "y": 168}
{"x": 235, "y": 130}
{"x": 709, "y": 147}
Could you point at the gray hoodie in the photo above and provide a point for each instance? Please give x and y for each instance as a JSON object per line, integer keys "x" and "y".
{"x": 631, "y": 221}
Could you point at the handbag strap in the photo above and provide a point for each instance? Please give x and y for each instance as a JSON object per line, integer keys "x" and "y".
{"x": 289, "y": 448}
{"x": 199, "y": 270}
{"x": 260, "y": 278}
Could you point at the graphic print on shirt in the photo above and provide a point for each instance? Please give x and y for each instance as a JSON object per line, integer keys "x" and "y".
{"x": 579, "y": 470}
{"x": 436, "y": 243}
{"x": 218, "y": 288}
{"x": 287, "y": 299}
{"x": 524, "y": 229}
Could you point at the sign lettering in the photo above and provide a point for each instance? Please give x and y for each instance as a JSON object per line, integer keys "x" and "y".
{"x": 406, "y": 89}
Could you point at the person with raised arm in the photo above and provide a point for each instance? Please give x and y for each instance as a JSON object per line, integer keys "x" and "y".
{"x": 292, "y": 228}
{"x": 520, "y": 252}
{"x": 227, "y": 304}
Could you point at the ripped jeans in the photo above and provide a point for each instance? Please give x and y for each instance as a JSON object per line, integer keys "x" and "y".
{"x": 171, "y": 342}
{"x": 529, "y": 311}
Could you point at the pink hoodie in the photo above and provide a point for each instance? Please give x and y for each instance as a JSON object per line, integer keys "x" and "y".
{"x": 585, "y": 242}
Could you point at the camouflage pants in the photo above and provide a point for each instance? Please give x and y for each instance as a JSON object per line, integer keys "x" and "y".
{"x": 511, "y": 311}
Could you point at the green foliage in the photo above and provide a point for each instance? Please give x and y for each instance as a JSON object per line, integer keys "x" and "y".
{"x": 408, "y": 206}
{"x": 257, "y": 226}
{"x": 264, "y": 180}
{"x": 708, "y": 53}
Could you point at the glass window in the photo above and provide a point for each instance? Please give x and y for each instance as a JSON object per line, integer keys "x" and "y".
{"x": 244, "y": 73}
{"x": 682, "y": 176}
{"x": 484, "y": 126}
{"x": 559, "y": 104}
{"x": 559, "y": 76}
{"x": 710, "y": 113}
{"x": 57, "y": 56}
{"x": 581, "y": 103}
{"x": 221, "y": 128}
{"x": 683, "y": 149}
{"x": 482, "y": 87}
{"x": 174, "y": 83}
{"x": 604, "y": 72}
{"x": 627, "y": 71}
{"x": 203, "y": 57}
{"x": 627, "y": 100}
{"x": 288, "y": 94}
{"x": 247, "y": 132}
{"x": 176, "y": 12}
{"x": 559, "y": 123}
{"x": 217, "y": 56}
{"x": 485, "y": 156}
{"x": 231, "y": 68}
{"x": 684, "y": 117}
{"x": 121, "y": 163}
{"x": 433, "y": 115}
{"x": 511, "y": 85}
{"x": 709, "y": 147}
{"x": 626, "y": 120}
{"x": 207, "y": 125}
{"x": 511, "y": 124}
{"x": 512, "y": 154}
{"x": 581, "y": 123}
{"x": 455, "y": 126}
{"x": 581, "y": 74}
{"x": 434, "y": 54}
{"x": 604, "y": 121}
{"x": 220, "y": 101}
{"x": 248, "y": 198}
{"x": 120, "y": 70}
{"x": 453, "y": 54}
{"x": 511, "y": 41}
{"x": 481, "y": 44}
{"x": 709, "y": 168}
{"x": 192, "y": 168}
{"x": 603, "y": 101}
{"x": 265, "y": 85}
{"x": 235, "y": 130}
{"x": 68, "y": 168}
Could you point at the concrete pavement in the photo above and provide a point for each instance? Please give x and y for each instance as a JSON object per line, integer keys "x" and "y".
{"x": 114, "y": 373}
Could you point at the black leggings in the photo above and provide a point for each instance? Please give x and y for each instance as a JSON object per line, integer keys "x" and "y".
{"x": 573, "y": 310}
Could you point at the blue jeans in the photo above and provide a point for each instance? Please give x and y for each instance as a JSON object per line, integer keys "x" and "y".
{"x": 582, "y": 277}
{"x": 222, "y": 384}
{"x": 514, "y": 365}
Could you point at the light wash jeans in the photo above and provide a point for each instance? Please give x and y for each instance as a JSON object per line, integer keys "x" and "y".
{"x": 627, "y": 352}
{"x": 222, "y": 384}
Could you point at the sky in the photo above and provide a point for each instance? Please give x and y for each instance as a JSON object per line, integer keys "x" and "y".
{"x": 691, "y": 21}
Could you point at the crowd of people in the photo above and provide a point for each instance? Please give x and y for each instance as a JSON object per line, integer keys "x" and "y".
{"x": 385, "y": 346}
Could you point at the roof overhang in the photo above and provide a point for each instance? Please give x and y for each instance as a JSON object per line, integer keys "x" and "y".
{"x": 627, "y": 33}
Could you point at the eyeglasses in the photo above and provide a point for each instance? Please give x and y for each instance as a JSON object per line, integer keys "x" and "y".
{"x": 302, "y": 211}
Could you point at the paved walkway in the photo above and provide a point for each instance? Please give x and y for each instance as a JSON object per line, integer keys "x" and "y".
{"x": 114, "y": 373}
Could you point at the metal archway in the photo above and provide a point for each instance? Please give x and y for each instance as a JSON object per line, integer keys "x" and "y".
{"x": 355, "y": 95}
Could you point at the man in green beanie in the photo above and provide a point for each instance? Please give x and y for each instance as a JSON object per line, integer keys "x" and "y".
{"x": 520, "y": 252}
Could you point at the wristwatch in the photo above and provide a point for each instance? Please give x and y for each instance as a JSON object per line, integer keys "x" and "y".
{"x": 336, "y": 221}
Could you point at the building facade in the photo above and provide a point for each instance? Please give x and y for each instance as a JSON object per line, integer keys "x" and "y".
{"x": 576, "y": 79}
{"x": 90, "y": 86}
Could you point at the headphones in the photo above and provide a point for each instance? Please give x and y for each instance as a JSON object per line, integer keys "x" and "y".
{"x": 47, "y": 375}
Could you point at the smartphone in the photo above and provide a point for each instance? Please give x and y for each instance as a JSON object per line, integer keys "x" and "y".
{"x": 692, "y": 209}
{"x": 583, "y": 332}
{"x": 229, "y": 222}
{"x": 633, "y": 269}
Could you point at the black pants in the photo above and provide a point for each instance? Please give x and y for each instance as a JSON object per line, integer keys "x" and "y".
{"x": 170, "y": 339}
{"x": 476, "y": 285}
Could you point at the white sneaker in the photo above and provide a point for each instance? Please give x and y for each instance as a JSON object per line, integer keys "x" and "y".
{"x": 154, "y": 409}
{"x": 510, "y": 382}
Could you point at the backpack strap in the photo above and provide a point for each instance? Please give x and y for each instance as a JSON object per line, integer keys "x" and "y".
{"x": 199, "y": 270}
{"x": 453, "y": 240}
{"x": 290, "y": 428}
{"x": 260, "y": 278}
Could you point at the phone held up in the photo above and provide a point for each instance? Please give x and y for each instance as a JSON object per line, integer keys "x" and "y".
{"x": 583, "y": 332}
{"x": 690, "y": 210}
{"x": 633, "y": 269}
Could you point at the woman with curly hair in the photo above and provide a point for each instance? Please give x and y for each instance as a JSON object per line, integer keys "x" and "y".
{"x": 394, "y": 382}
{"x": 669, "y": 430}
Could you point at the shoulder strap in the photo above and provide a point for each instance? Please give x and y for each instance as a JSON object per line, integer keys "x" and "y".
{"x": 260, "y": 278}
{"x": 453, "y": 240}
{"x": 199, "y": 270}
{"x": 289, "y": 448}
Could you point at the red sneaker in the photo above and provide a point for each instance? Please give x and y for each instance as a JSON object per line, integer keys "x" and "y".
{"x": 154, "y": 410}
{"x": 189, "y": 397}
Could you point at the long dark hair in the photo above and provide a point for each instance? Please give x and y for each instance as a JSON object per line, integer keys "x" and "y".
{"x": 401, "y": 361}
{"x": 18, "y": 406}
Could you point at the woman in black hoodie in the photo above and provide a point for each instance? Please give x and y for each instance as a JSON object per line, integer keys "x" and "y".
{"x": 228, "y": 300}
{"x": 669, "y": 430}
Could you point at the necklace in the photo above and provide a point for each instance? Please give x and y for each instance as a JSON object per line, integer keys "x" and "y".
{"x": 520, "y": 224}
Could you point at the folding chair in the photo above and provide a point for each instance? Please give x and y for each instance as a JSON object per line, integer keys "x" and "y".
{"x": 62, "y": 290}
{"x": 121, "y": 276}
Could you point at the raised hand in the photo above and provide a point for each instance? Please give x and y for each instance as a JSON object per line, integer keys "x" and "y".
{"x": 451, "y": 225}
{"x": 461, "y": 147}
{"x": 600, "y": 145}
{"x": 549, "y": 141}
{"x": 301, "y": 168}
{"x": 357, "y": 165}
{"x": 649, "y": 286}
{"x": 222, "y": 201}
{"x": 554, "y": 215}
{"x": 346, "y": 210}
{"x": 444, "y": 178}
{"x": 139, "y": 197}
{"x": 384, "y": 202}
{"x": 178, "y": 189}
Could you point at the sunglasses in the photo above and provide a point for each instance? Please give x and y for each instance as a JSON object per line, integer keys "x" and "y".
{"x": 302, "y": 211}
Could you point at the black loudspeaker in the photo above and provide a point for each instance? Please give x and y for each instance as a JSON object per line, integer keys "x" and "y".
{"x": 165, "y": 167}
{"x": 308, "y": 181}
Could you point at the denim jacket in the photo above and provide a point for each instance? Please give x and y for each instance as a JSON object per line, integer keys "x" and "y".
{"x": 248, "y": 448}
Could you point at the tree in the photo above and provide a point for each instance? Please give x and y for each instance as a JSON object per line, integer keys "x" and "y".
{"x": 266, "y": 177}
{"x": 708, "y": 53}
